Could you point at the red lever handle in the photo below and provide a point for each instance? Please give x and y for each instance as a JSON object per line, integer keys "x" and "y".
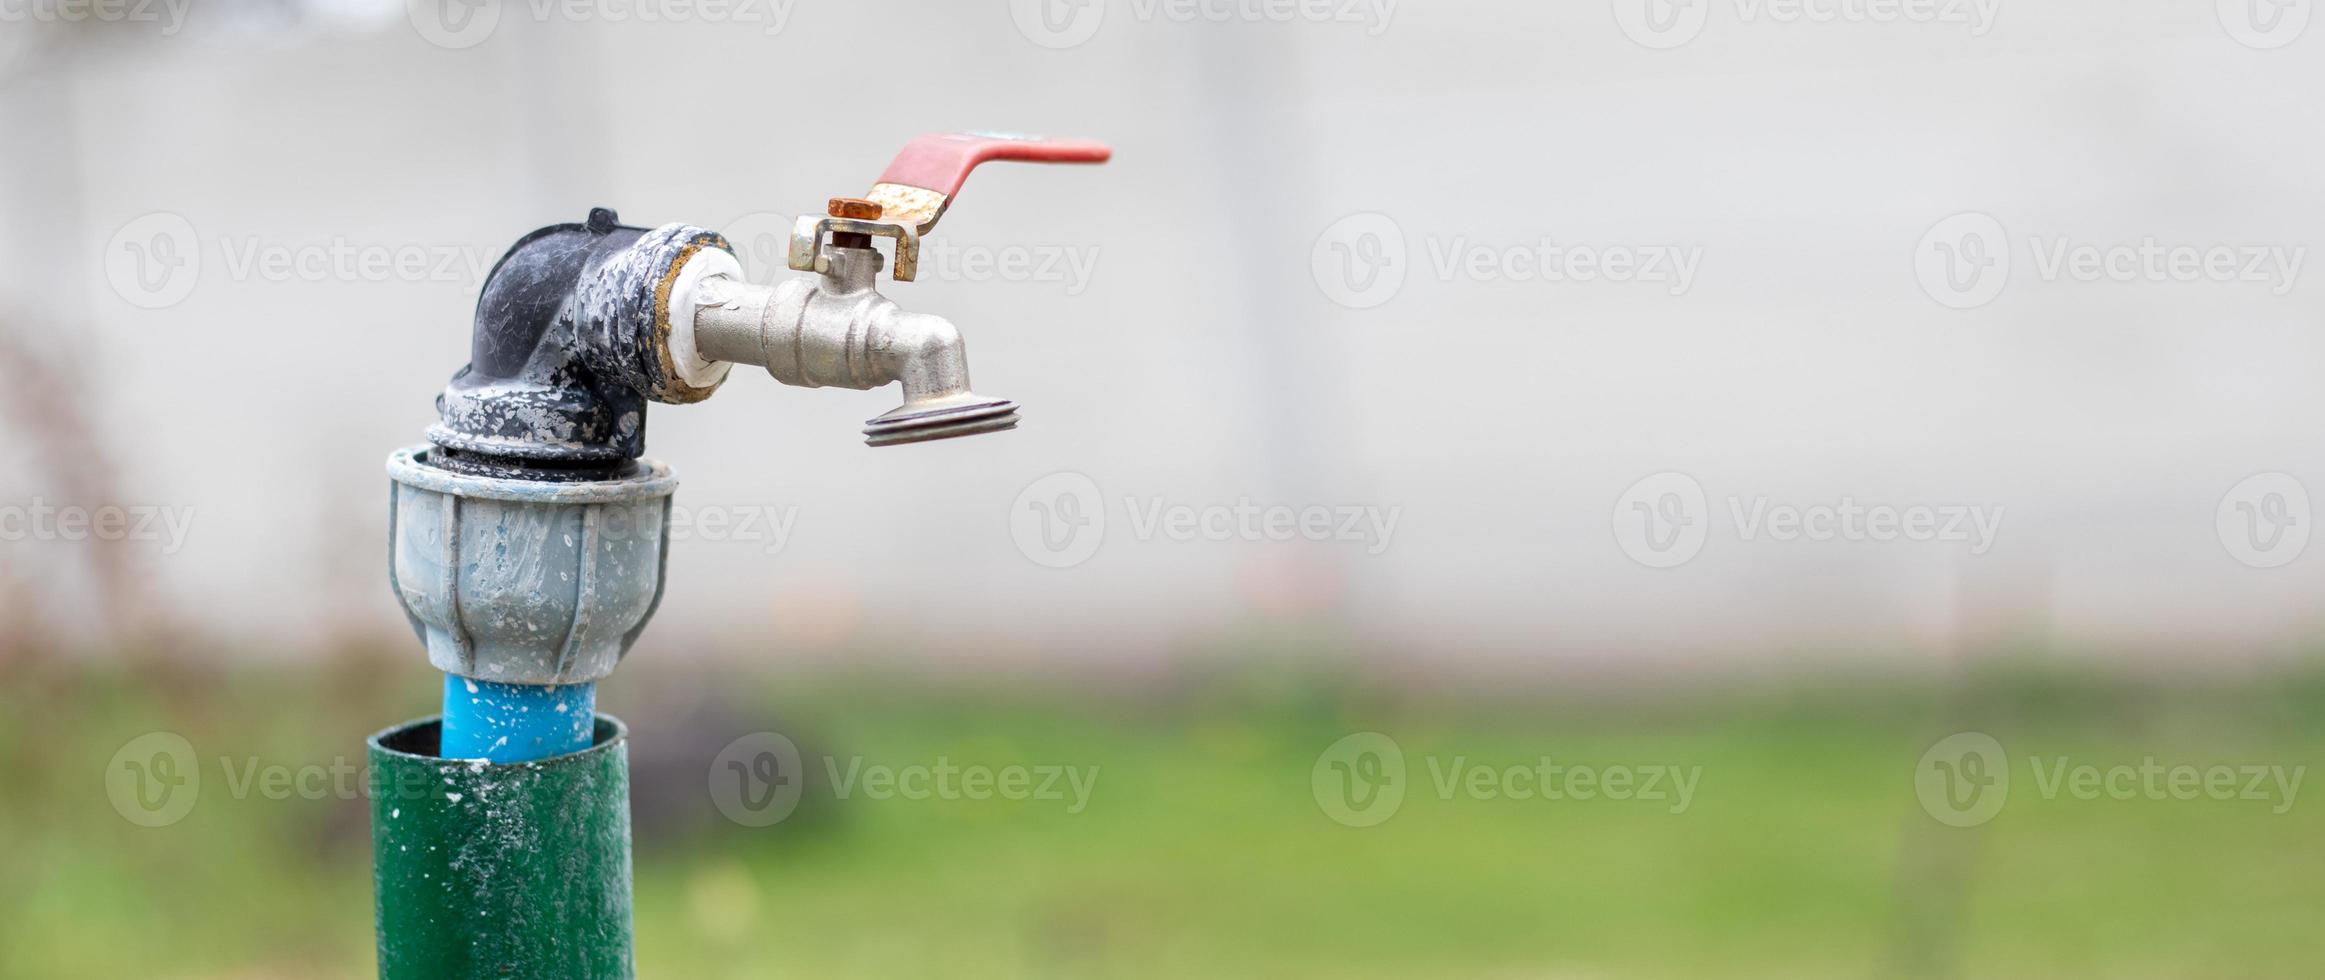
{"x": 928, "y": 173}
{"x": 941, "y": 161}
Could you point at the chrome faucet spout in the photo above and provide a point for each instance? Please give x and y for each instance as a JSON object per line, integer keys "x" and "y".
{"x": 834, "y": 329}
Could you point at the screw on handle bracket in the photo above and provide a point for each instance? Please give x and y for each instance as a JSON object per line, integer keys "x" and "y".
{"x": 916, "y": 189}
{"x": 807, "y": 238}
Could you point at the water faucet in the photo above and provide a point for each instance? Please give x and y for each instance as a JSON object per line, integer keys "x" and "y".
{"x": 836, "y": 329}
{"x": 580, "y": 325}
{"x": 528, "y": 538}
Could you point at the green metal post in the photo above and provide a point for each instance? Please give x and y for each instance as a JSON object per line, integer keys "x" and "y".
{"x": 518, "y": 871}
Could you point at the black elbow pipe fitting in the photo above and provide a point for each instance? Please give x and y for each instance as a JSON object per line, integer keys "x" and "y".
{"x": 571, "y": 341}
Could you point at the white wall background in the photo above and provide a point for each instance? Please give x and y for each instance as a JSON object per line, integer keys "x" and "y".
{"x": 1203, "y": 362}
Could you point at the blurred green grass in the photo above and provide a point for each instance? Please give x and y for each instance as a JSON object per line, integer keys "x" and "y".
{"x": 1203, "y": 850}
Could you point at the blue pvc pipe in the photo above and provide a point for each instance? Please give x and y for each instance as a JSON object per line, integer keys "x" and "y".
{"x": 515, "y": 722}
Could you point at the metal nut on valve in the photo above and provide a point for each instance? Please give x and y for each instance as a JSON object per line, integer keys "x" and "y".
{"x": 854, "y": 208}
